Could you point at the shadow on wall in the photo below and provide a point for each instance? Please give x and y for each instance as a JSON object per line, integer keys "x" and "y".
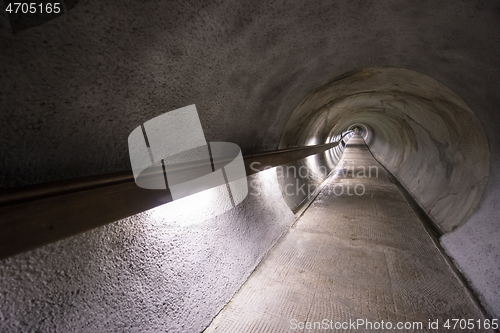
{"x": 416, "y": 127}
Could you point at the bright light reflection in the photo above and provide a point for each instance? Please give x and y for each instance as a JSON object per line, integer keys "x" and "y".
{"x": 312, "y": 162}
{"x": 268, "y": 178}
{"x": 312, "y": 142}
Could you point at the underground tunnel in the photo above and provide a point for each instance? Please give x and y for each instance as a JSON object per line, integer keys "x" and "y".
{"x": 396, "y": 103}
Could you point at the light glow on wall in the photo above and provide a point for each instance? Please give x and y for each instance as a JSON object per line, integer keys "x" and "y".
{"x": 194, "y": 209}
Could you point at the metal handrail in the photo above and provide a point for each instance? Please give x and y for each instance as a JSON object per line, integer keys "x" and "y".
{"x": 36, "y": 215}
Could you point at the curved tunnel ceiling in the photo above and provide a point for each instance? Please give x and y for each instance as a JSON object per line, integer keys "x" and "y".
{"x": 416, "y": 127}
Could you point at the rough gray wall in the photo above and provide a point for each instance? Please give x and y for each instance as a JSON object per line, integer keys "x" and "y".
{"x": 73, "y": 89}
{"x": 158, "y": 271}
{"x": 475, "y": 248}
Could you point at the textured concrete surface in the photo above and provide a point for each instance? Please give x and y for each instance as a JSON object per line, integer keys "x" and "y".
{"x": 164, "y": 270}
{"x": 299, "y": 180}
{"x": 82, "y": 82}
{"x": 72, "y": 90}
{"x": 432, "y": 142}
{"x": 351, "y": 257}
{"x": 424, "y": 134}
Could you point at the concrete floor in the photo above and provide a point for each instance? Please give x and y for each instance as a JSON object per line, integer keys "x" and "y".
{"x": 351, "y": 257}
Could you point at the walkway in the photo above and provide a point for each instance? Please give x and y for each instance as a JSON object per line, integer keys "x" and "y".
{"x": 351, "y": 258}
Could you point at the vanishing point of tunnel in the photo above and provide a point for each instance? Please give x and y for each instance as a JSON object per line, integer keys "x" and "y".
{"x": 368, "y": 140}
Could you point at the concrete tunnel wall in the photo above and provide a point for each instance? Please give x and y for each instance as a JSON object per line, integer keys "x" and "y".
{"x": 300, "y": 180}
{"x": 73, "y": 89}
{"x": 169, "y": 269}
{"x": 427, "y": 137}
{"x": 423, "y": 133}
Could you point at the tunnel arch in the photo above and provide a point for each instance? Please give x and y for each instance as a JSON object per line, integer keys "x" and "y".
{"x": 423, "y": 133}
